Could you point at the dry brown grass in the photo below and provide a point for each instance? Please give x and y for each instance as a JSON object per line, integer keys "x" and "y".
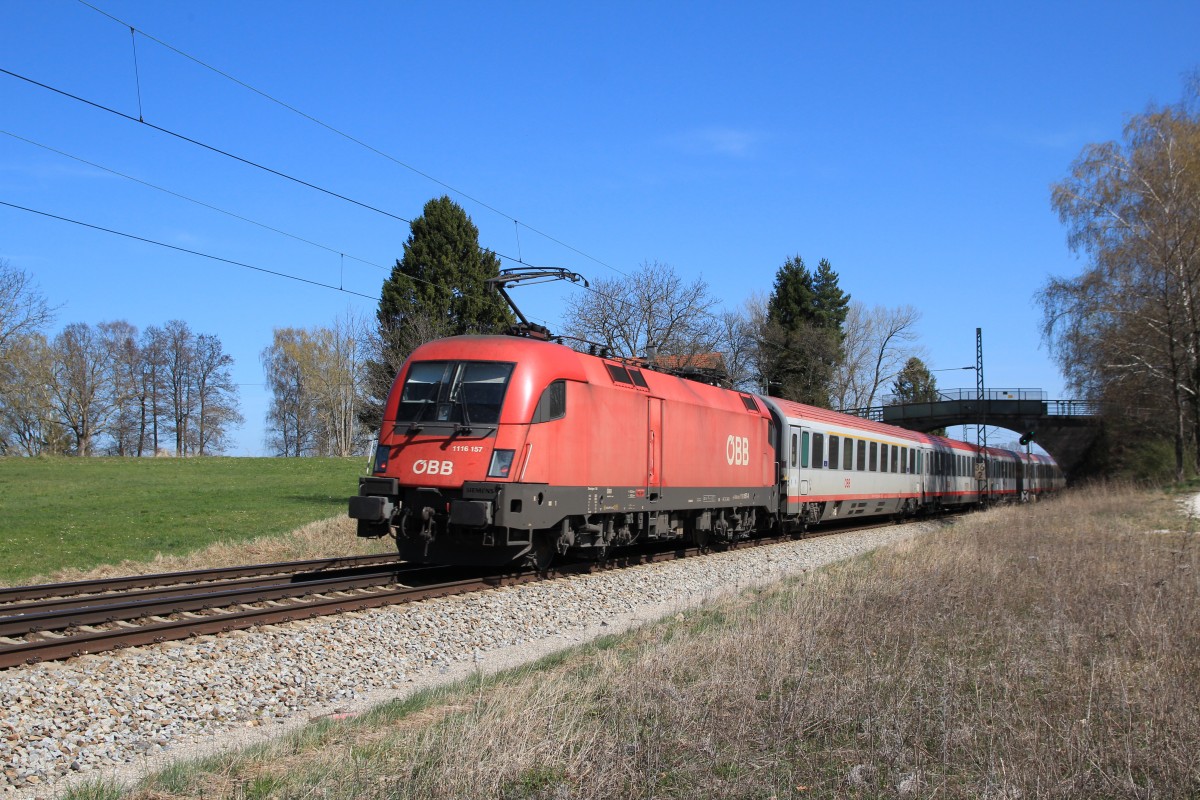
{"x": 327, "y": 538}
{"x": 1048, "y": 651}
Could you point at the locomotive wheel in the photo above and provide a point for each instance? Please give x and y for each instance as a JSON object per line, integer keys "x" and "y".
{"x": 542, "y": 554}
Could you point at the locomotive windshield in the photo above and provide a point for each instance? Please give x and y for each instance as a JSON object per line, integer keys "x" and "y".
{"x": 463, "y": 393}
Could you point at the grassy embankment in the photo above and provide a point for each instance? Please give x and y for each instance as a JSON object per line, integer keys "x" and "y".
{"x": 63, "y": 517}
{"x": 1048, "y": 651}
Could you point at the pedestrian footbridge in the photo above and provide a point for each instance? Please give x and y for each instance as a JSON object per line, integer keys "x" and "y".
{"x": 1063, "y": 428}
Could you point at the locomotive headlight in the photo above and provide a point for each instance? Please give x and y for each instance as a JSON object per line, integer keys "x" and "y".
{"x": 502, "y": 461}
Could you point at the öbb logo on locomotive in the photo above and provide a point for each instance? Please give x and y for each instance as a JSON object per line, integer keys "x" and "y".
{"x": 557, "y": 452}
{"x": 432, "y": 467}
{"x": 737, "y": 451}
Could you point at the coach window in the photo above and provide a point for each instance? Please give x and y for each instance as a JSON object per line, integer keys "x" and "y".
{"x": 895, "y": 458}
{"x": 883, "y": 453}
{"x": 861, "y": 463}
{"x": 847, "y": 453}
{"x": 834, "y": 452}
{"x": 874, "y": 456}
{"x": 912, "y": 461}
{"x": 804, "y": 448}
{"x": 553, "y": 403}
{"x": 818, "y": 450}
{"x": 919, "y": 465}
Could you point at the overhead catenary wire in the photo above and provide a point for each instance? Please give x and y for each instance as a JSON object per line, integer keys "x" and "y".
{"x": 271, "y": 272}
{"x": 353, "y": 139}
{"x": 244, "y": 265}
{"x": 618, "y": 300}
{"x": 209, "y": 147}
{"x": 157, "y": 243}
{"x": 201, "y": 254}
{"x": 222, "y": 152}
{"x": 287, "y": 176}
{"x": 225, "y": 153}
{"x": 193, "y": 200}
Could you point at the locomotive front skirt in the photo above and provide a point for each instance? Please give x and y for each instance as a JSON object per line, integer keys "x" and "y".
{"x": 498, "y": 449}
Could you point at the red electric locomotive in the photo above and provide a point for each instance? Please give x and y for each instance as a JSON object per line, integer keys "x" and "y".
{"x": 497, "y": 449}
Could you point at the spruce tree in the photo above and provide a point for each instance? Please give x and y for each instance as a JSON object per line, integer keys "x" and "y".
{"x": 830, "y": 303}
{"x": 802, "y": 339}
{"x": 916, "y": 384}
{"x": 438, "y": 286}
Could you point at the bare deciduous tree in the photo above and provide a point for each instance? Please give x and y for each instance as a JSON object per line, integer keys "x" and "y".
{"x": 198, "y": 391}
{"x": 291, "y": 419}
{"x": 340, "y": 384}
{"x": 740, "y": 343}
{"x": 28, "y": 421}
{"x": 216, "y": 395}
{"x": 317, "y": 381}
{"x": 23, "y": 309}
{"x": 878, "y": 341}
{"x": 126, "y": 424}
{"x": 654, "y": 307}
{"x": 179, "y": 361}
{"x": 79, "y": 388}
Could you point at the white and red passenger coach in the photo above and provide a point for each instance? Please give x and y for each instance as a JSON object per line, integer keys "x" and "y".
{"x": 502, "y": 449}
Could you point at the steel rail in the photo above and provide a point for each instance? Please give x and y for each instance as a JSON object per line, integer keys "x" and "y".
{"x": 165, "y": 592}
{"x": 16, "y": 594}
{"x": 118, "y": 608}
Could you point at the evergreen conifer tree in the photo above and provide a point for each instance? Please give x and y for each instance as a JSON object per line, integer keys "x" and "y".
{"x": 802, "y": 338}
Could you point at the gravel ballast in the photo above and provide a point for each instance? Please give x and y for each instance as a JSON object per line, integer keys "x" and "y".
{"x": 118, "y": 715}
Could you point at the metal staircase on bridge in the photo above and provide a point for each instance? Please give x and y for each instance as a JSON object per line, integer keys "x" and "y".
{"x": 1063, "y": 428}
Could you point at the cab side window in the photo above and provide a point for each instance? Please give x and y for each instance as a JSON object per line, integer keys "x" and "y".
{"x": 552, "y": 404}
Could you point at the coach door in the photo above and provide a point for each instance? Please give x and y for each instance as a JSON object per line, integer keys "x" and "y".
{"x": 799, "y": 440}
{"x": 654, "y": 449}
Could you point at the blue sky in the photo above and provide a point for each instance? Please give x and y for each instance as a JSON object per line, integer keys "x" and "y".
{"x": 913, "y": 145}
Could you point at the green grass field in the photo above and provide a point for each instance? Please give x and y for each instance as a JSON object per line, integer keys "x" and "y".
{"x": 84, "y": 512}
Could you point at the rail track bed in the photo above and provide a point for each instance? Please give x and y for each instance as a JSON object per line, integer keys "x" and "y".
{"x": 111, "y": 714}
{"x": 59, "y": 621}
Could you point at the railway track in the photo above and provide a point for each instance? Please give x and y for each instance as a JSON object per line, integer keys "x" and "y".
{"x": 61, "y": 621}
